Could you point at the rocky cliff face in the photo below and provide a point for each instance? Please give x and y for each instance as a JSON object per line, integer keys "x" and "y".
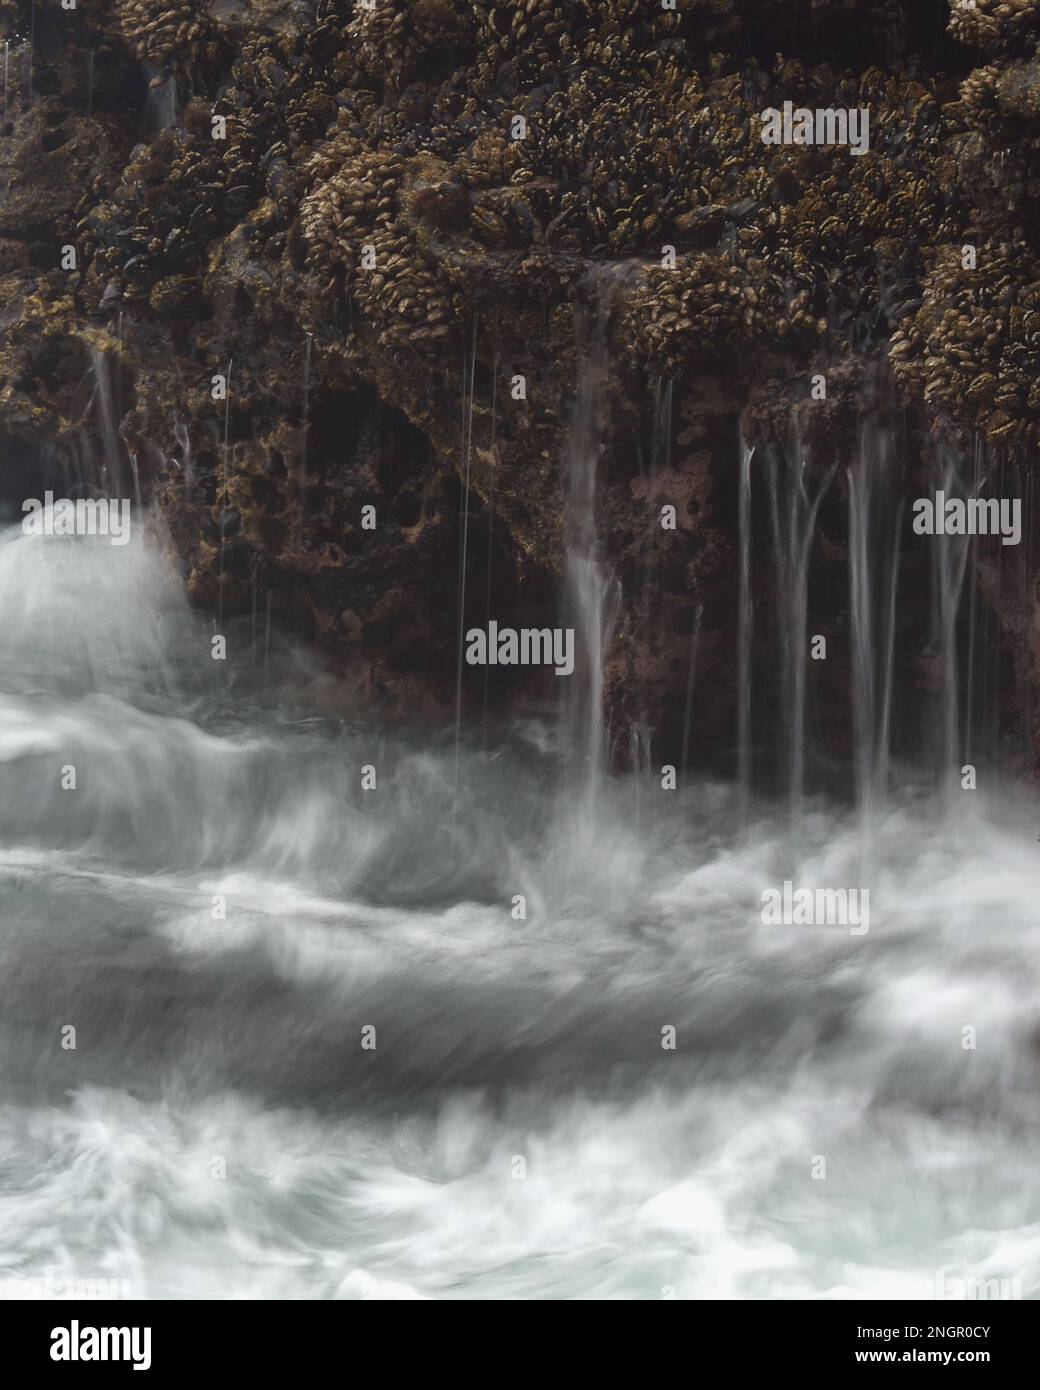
{"x": 371, "y": 220}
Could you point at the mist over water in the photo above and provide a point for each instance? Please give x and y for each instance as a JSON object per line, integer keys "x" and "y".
{"x": 392, "y": 1173}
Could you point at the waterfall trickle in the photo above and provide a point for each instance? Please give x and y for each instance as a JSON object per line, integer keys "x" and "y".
{"x": 950, "y": 562}
{"x": 876, "y": 512}
{"x": 1000, "y": 622}
{"x": 469, "y": 372}
{"x": 744, "y": 633}
{"x": 795, "y": 498}
{"x": 267, "y": 641}
{"x": 161, "y": 106}
{"x": 183, "y": 438}
{"x": 104, "y": 411}
{"x": 590, "y": 601}
{"x": 691, "y": 678}
{"x": 1028, "y": 603}
{"x": 199, "y": 857}
{"x": 224, "y": 494}
{"x": 490, "y": 525}
{"x": 661, "y": 441}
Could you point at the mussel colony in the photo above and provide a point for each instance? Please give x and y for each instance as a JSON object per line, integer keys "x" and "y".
{"x": 389, "y": 129}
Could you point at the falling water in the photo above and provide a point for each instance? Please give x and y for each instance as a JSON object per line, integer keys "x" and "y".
{"x": 661, "y": 442}
{"x": 976, "y": 642}
{"x": 252, "y": 619}
{"x": 590, "y": 588}
{"x": 183, "y": 438}
{"x": 78, "y": 472}
{"x": 468, "y": 382}
{"x": 875, "y": 523}
{"x": 990, "y": 649}
{"x": 1026, "y": 570}
{"x": 267, "y": 641}
{"x": 950, "y": 561}
{"x": 490, "y": 525}
{"x": 104, "y": 412}
{"x": 795, "y": 500}
{"x": 655, "y": 481}
{"x": 224, "y": 496}
{"x": 161, "y": 110}
{"x": 391, "y": 1173}
{"x": 639, "y": 765}
{"x": 745, "y": 629}
{"x": 691, "y": 677}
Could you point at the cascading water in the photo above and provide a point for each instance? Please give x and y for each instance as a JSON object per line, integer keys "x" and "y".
{"x": 1030, "y": 607}
{"x": 187, "y": 462}
{"x": 655, "y": 463}
{"x": 196, "y": 879}
{"x": 111, "y": 481}
{"x": 161, "y": 107}
{"x": 963, "y": 646}
{"x": 334, "y": 968}
{"x": 691, "y": 678}
{"x": 590, "y": 599}
{"x": 745, "y": 631}
{"x": 876, "y": 512}
{"x": 220, "y": 912}
{"x": 951, "y": 554}
{"x": 795, "y": 497}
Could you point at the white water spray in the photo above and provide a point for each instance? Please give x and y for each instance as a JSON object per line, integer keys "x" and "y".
{"x": 590, "y": 601}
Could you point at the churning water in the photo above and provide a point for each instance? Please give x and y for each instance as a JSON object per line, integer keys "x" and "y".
{"x": 518, "y": 1131}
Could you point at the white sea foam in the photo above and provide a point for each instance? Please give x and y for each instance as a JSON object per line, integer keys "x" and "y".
{"x": 518, "y": 1131}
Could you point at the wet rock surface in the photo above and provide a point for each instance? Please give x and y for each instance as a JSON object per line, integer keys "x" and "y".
{"x": 370, "y": 257}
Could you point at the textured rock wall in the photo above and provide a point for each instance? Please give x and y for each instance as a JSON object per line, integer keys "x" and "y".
{"x": 386, "y": 131}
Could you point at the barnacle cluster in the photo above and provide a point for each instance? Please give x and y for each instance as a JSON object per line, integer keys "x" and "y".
{"x": 391, "y": 40}
{"x": 350, "y": 225}
{"x": 160, "y": 30}
{"x": 1002, "y": 101}
{"x": 975, "y": 342}
{"x": 696, "y": 313}
{"x": 168, "y": 36}
{"x": 994, "y": 25}
{"x": 375, "y": 177}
